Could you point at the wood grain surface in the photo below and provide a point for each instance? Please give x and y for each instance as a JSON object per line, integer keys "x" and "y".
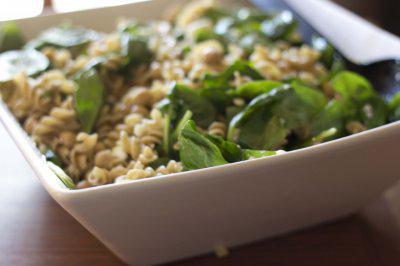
{"x": 34, "y": 230}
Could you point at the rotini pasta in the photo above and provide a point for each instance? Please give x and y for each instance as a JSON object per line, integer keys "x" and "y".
{"x": 131, "y": 104}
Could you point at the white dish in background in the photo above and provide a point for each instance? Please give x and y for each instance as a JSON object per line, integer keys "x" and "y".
{"x": 167, "y": 218}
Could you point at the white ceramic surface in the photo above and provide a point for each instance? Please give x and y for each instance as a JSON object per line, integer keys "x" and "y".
{"x": 167, "y": 218}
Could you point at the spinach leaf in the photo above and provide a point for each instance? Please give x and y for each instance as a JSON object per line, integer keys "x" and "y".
{"x": 74, "y": 39}
{"x": 281, "y": 26}
{"x": 186, "y": 117}
{"x": 254, "y": 154}
{"x": 324, "y": 136}
{"x": 361, "y": 101}
{"x": 394, "y": 107}
{"x": 268, "y": 119}
{"x": 14, "y": 62}
{"x": 134, "y": 39}
{"x": 230, "y": 151}
{"x": 203, "y": 110}
{"x": 222, "y": 80}
{"x": 215, "y": 14}
{"x": 334, "y": 115}
{"x": 326, "y": 50}
{"x": 52, "y": 157}
{"x": 256, "y": 126}
{"x": 352, "y": 87}
{"x": 197, "y": 151}
{"x": 249, "y": 40}
{"x": 221, "y": 98}
{"x": 89, "y": 98}
{"x": 299, "y": 108}
{"x": 135, "y": 49}
{"x": 244, "y": 15}
{"x": 205, "y": 34}
{"x": 374, "y": 112}
{"x": 263, "y": 131}
{"x": 252, "y": 89}
{"x": 10, "y": 37}
{"x": 65, "y": 179}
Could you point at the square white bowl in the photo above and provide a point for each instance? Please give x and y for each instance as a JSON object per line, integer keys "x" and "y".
{"x": 167, "y": 218}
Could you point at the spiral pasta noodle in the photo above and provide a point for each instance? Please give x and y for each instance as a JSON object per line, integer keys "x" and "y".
{"x": 126, "y": 141}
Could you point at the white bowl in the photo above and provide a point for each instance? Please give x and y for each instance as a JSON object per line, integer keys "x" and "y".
{"x": 167, "y": 218}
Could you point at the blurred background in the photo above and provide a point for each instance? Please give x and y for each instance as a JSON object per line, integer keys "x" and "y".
{"x": 385, "y": 13}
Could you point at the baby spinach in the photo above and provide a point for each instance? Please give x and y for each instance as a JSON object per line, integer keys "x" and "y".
{"x": 230, "y": 151}
{"x": 89, "y": 98}
{"x": 135, "y": 49}
{"x": 326, "y": 50}
{"x": 221, "y": 98}
{"x": 64, "y": 178}
{"x": 203, "y": 110}
{"x": 269, "y": 118}
{"x": 52, "y": 157}
{"x": 215, "y": 14}
{"x": 256, "y": 127}
{"x": 333, "y": 115}
{"x": 13, "y": 62}
{"x": 271, "y": 132}
{"x": 134, "y": 44}
{"x": 361, "y": 101}
{"x": 10, "y": 37}
{"x": 254, "y": 154}
{"x": 252, "y": 89}
{"x": 281, "y": 26}
{"x": 68, "y": 37}
{"x": 352, "y": 87}
{"x": 186, "y": 117}
{"x": 244, "y": 15}
{"x": 222, "y": 80}
{"x": 394, "y": 107}
{"x": 197, "y": 151}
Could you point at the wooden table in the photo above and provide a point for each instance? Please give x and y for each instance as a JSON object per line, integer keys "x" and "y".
{"x": 34, "y": 230}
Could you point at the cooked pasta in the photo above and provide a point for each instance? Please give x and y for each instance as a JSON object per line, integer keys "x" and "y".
{"x": 207, "y": 87}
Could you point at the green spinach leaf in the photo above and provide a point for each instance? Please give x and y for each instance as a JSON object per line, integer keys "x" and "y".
{"x": 89, "y": 98}
{"x": 197, "y": 151}
{"x": 65, "y": 179}
{"x": 334, "y": 115}
{"x": 222, "y": 80}
{"x": 52, "y": 157}
{"x": 281, "y": 26}
{"x": 394, "y": 107}
{"x": 361, "y": 101}
{"x": 230, "y": 151}
{"x": 326, "y": 50}
{"x": 252, "y": 89}
{"x": 74, "y": 39}
{"x": 14, "y": 62}
{"x": 203, "y": 110}
{"x": 135, "y": 49}
{"x": 10, "y": 37}
{"x": 254, "y": 154}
